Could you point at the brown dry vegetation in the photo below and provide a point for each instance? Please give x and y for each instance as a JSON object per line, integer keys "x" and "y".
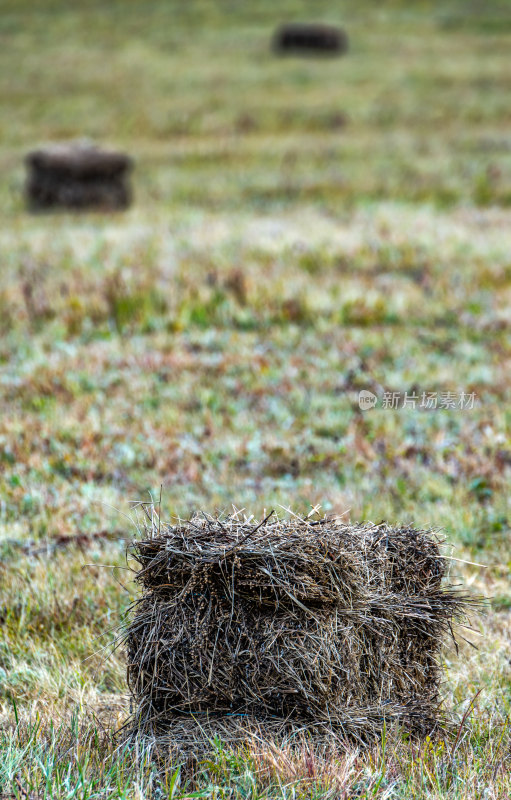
{"x": 301, "y": 231}
{"x": 271, "y": 628}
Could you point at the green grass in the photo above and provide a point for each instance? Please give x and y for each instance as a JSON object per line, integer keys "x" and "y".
{"x": 302, "y": 230}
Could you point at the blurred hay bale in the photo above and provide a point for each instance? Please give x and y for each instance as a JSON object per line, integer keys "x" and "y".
{"x": 77, "y": 175}
{"x": 286, "y": 627}
{"x": 307, "y": 39}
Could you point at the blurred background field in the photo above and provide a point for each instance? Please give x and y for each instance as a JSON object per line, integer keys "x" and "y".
{"x": 302, "y": 230}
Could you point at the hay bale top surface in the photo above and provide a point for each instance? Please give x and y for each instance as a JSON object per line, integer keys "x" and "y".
{"x": 79, "y": 159}
{"x": 320, "y": 561}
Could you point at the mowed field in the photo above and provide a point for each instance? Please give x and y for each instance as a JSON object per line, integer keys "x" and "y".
{"x": 302, "y": 230}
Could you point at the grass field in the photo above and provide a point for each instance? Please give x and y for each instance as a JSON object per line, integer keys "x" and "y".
{"x": 303, "y": 230}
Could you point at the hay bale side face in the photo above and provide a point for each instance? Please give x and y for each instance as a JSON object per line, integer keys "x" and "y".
{"x": 78, "y": 176}
{"x": 310, "y": 40}
{"x": 234, "y": 663}
{"x": 327, "y": 626}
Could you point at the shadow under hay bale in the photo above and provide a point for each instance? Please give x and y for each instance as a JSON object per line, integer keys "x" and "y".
{"x": 286, "y": 628}
{"x": 309, "y": 40}
{"x": 77, "y": 176}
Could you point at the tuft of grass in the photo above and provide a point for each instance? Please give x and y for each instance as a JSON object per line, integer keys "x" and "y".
{"x": 78, "y": 759}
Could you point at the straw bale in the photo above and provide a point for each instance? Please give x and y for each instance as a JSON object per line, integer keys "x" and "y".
{"x": 286, "y": 626}
{"x": 77, "y": 175}
{"x": 309, "y": 39}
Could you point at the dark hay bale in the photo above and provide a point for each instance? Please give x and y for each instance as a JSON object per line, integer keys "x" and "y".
{"x": 309, "y": 40}
{"x": 77, "y": 176}
{"x": 286, "y": 628}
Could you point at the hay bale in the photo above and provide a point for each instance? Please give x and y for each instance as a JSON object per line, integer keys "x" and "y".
{"x": 300, "y": 39}
{"x": 77, "y": 175}
{"x": 285, "y": 627}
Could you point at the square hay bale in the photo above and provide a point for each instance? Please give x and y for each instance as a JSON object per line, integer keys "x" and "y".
{"x": 279, "y": 627}
{"x": 77, "y": 175}
{"x": 310, "y": 39}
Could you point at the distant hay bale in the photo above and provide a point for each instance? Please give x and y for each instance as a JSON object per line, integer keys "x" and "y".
{"x": 286, "y": 627}
{"x": 77, "y": 175}
{"x": 302, "y": 39}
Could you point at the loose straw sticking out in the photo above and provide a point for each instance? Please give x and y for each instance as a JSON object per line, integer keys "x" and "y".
{"x": 286, "y": 626}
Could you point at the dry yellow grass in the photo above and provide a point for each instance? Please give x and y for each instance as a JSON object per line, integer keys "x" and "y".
{"x": 302, "y": 231}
